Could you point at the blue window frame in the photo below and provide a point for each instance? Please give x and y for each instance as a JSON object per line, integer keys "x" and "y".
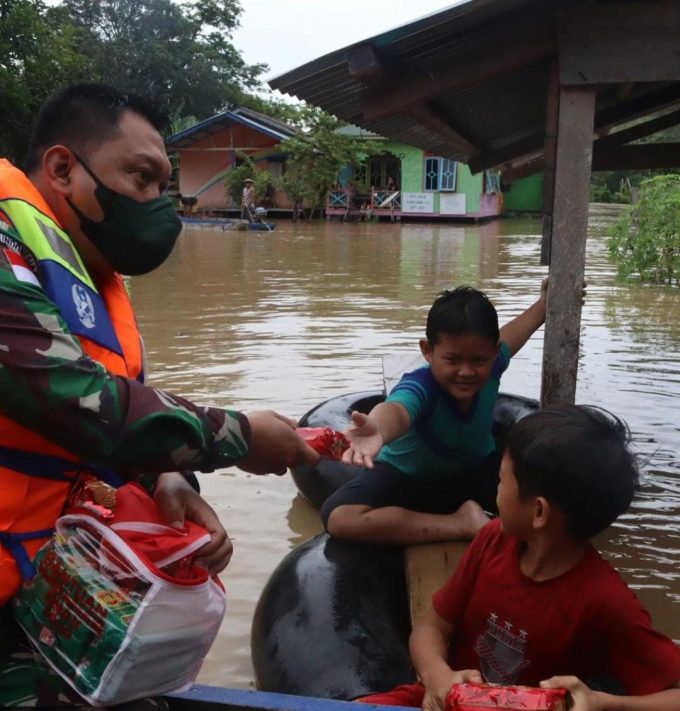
{"x": 440, "y": 174}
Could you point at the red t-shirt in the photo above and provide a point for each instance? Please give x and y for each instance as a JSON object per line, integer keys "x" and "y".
{"x": 586, "y": 622}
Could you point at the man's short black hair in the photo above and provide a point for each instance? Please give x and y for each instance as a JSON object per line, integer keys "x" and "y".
{"x": 461, "y": 310}
{"x": 83, "y": 116}
{"x": 577, "y": 458}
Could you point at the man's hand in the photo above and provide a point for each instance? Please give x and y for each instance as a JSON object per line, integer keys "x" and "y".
{"x": 584, "y": 698}
{"x": 274, "y": 445}
{"x": 178, "y": 501}
{"x": 437, "y": 687}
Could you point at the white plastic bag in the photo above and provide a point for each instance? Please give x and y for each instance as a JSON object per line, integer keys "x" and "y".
{"x": 114, "y": 624}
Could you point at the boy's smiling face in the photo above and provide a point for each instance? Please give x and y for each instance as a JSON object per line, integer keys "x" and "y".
{"x": 461, "y": 364}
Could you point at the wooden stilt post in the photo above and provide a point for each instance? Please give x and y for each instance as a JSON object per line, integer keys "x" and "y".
{"x": 549, "y": 154}
{"x": 568, "y": 244}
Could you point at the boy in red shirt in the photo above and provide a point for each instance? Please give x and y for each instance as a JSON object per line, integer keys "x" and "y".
{"x": 532, "y": 602}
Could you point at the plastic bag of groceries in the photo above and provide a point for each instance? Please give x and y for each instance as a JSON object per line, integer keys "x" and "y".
{"x": 117, "y": 606}
{"x": 473, "y": 697}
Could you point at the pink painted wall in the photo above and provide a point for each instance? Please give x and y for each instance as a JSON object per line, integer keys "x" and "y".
{"x": 490, "y": 204}
{"x": 196, "y": 167}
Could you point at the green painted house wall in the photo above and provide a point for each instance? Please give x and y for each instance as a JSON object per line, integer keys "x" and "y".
{"x": 412, "y": 174}
{"x": 471, "y": 185}
{"x": 411, "y": 165}
{"x": 526, "y": 195}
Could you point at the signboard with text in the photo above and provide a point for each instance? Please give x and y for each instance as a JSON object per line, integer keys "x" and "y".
{"x": 417, "y": 202}
{"x": 452, "y": 204}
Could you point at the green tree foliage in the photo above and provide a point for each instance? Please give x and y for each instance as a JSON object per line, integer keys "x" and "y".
{"x": 178, "y": 53}
{"x": 316, "y": 158}
{"x": 618, "y": 186}
{"x": 234, "y": 180}
{"x": 38, "y": 55}
{"x": 646, "y": 239}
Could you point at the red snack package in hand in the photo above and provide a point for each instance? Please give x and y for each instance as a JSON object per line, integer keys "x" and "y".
{"x": 472, "y": 697}
{"x": 325, "y": 440}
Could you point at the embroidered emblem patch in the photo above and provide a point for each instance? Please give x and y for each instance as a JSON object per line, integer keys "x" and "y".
{"x": 84, "y": 306}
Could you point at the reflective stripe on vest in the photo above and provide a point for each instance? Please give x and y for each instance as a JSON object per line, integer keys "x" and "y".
{"x": 62, "y": 274}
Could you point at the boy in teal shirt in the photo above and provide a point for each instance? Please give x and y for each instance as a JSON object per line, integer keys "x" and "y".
{"x": 436, "y": 468}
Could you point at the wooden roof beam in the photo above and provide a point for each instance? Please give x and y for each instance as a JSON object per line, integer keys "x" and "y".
{"x": 637, "y": 157}
{"x": 604, "y": 119}
{"x": 523, "y": 170}
{"x": 432, "y": 121}
{"x": 648, "y": 128}
{"x": 619, "y": 42}
{"x": 608, "y": 156}
{"x": 401, "y": 92}
{"x": 364, "y": 64}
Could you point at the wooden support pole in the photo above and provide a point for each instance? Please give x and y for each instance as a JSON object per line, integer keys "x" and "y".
{"x": 550, "y": 156}
{"x": 567, "y": 262}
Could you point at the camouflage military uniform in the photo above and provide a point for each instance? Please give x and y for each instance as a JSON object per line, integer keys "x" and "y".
{"x": 48, "y": 384}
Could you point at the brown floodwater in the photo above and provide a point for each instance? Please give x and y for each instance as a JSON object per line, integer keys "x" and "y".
{"x": 284, "y": 320}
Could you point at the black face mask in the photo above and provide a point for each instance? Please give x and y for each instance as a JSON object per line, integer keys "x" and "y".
{"x": 134, "y": 237}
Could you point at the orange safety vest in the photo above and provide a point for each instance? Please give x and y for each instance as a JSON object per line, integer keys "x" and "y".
{"x": 36, "y": 474}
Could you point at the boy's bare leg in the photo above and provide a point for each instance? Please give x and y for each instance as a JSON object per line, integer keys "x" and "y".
{"x": 398, "y": 526}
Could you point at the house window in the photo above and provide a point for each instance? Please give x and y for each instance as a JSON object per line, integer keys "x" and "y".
{"x": 440, "y": 174}
{"x": 492, "y": 180}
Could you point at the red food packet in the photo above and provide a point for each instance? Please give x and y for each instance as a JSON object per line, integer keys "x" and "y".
{"x": 325, "y": 440}
{"x": 472, "y": 697}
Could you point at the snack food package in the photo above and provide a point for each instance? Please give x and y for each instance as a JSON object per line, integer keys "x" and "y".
{"x": 117, "y": 606}
{"x": 472, "y": 697}
{"x": 325, "y": 440}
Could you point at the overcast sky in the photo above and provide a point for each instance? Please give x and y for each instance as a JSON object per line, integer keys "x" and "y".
{"x": 287, "y": 33}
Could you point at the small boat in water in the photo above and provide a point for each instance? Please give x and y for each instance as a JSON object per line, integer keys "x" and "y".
{"x": 334, "y": 618}
{"x": 228, "y": 224}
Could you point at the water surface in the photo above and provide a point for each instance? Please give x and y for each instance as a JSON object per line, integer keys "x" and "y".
{"x": 284, "y": 320}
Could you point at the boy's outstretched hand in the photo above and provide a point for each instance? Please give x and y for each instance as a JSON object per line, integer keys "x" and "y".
{"x": 365, "y": 440}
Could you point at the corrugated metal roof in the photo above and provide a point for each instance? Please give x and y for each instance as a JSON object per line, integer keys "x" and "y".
{"x": 247, "y": 117}
{"x": 495, "y": 104}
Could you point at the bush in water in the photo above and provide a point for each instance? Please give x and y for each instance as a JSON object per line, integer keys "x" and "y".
{"x": 646, "y": 239}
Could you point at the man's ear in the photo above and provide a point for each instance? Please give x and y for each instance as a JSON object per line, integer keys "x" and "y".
{"x": 57, "y": 166}
{"x": 426, "y": 349}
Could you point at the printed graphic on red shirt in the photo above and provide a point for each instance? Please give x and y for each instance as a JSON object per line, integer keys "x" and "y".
{"x": 501, "y": 651}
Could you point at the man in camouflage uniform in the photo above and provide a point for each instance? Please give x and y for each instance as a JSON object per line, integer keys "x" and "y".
{"x": 98, "y": 160}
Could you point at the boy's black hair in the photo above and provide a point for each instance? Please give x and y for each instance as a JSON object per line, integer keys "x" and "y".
{"x": 577, "y": 458}
{"x": 83, "y": 116}
{"x": 461, "y": 310}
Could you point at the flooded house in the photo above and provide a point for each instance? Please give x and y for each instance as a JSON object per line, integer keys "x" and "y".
{"x": 398, "y": 180}
{"x": 207, "y": 151}
{"x": 425, "y": 184}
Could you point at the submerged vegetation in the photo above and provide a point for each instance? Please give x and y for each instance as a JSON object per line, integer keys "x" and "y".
{"x": 645, "y": 242}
